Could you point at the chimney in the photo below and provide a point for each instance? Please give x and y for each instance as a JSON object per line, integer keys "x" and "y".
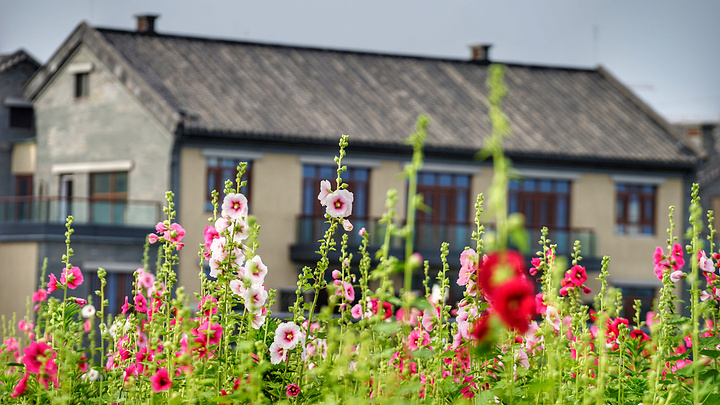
{"x": 146, "y": 23}
{"x": 480, "y": 53}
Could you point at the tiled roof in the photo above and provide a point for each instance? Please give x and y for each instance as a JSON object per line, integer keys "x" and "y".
{"x": 9, "y": 60}
{"x": 240, "y": 89}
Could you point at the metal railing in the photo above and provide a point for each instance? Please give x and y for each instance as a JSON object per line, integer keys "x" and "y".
{"x": 432, "y": 235}
{"x": 41, "y": 209}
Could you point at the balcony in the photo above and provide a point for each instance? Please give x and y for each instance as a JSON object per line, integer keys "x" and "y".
{"x": 54, "y": 210}
{"x": 429, "y": 237}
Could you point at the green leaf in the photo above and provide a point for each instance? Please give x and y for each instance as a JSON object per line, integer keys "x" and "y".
{"x": 387, "y": 327}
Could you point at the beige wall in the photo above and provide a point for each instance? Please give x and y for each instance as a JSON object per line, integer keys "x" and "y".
{"x": 18, "y": 286}
{"x": 23, "y": 159}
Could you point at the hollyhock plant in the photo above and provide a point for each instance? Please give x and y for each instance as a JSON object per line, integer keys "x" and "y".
{"x": 235, "y": 206}
{"x": 161, "y": 380}
{"x": 338, "y": 204}
{"x": 287, "y": 335}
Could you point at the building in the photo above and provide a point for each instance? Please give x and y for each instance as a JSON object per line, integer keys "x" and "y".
{"x": 121, "y": 116}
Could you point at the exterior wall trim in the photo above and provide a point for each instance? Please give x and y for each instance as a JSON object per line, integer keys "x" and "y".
{"x": 450, "y": 168}
{"x": 224, "y": 153}
{"x": 90, "y": 167}
{"x": 328, "y": 160}
{"x": 548, "y": 174}
{"x": 118, "y": 267}
{"x": 80, "y": 67}
{"x": 635, "y": 179}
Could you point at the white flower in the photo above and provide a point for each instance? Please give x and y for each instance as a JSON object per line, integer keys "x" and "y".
{"x": 91, "y": 375}
{"x": 277, "y": 353}
{"x": 88, "y": 311}
{"x": 287, "y": 335}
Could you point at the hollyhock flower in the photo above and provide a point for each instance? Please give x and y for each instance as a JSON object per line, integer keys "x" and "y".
{"x": 52, "y": 284}
{"x": 255, "y": 297}
{"x": 161, "y": 380}
{"x": 125, "y": 306}
{"x": 677, "y": 275}
{"x": 677, "y": 256}
{"x": 140, "y": 304}
{"x": 256, "y": 270}
{"x": 705, "y": 263}
{"x": 514, "y": 302}
{"x": 660, "y": 270}
{"x": 347, "y": 225}
{"x": 292, "y": 390}
{"x": 277, "y": 353}
{"x": 39, "y": 356}
{"x": 88, "y": 311}
{"x": 175, "y": 233}
{"x": 208, "y": 333}
{"x": 540, "y": 306}
{"x": 91, "y": 375}
{"x": 71, "y": 277}
{"x": 362, "y": 231}
{"x": 221, "y": 225}
{"x": 356, "y": 311}
{"x": 338, "y": 204}
{"x": 237, "y": 287}
{"x": 346, "y": 290}
{"x": 20, "y": 387}
{"x": 336, "y": 274}
{"x": 498, "y": 268}
{"x": 704, "y": 296}
{"x": 481, "y": 328}
{"x": 658, "y": 256}
{"x": 257, "y": 318}
{"x": 160, "y": 227}
{"x": 152, "y": 238}
{"x": 552, "y": 316}
{"x": 577, "y": 275}
{"x": 234, "y": 206}
{"x": 208, "y": 305}
{"x": 146, "y": 279}
{"x": 287, "y": 335}
{"x": 418, "y": 338}
{"x": 325, "y": 190}
{"x": 40, "y": 295}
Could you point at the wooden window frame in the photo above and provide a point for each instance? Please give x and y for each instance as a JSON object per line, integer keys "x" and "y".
{"x": 623, "y": 224}
{"x": 216, "y": 173}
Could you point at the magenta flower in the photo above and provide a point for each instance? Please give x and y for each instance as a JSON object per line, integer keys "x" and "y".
{"x": 418, "y": 338}
{"x": 40, "y": 295}
{"x": 161, "y": 380}
{"x": 175, "y": 233}
{"x": 20, "y": 387}
{"x": 234, "y": 206}
{"x": 292, "y": 390}
{"x": 208, "y": 333}
{"x": 71, "y": 277}
{"x": 39, "y": 357}
{"x": 338, "y": 204}
{"x": 52, "y": 284}
{"x": 140, "y": 304}
{"x": 160, "y": 227}
{"x": 126, "y": 306}
{"x": 152, "y": 238}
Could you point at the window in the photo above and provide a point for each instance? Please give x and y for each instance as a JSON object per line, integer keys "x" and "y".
{"x": 219, "y": 170}
{"x": 82, "y": 84}
{"x": 119, "y": 285}
{"x": 313, "y": 214}
{"x": 21, "y": 118}
{"x": 635, "y": 209}
{"x": 24, "y": 192}
{"x": 543, "y": 203}
{"x": 448, "y": 196}
{"x": 630, "y": 294}
{"x": 108, "y": 197}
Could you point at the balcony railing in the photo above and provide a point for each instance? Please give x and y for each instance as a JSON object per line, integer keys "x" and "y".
{"x": 37, "y": 209}
{"x": 432, "y": 235}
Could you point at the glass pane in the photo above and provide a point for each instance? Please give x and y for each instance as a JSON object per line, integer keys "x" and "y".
{"x": 361, "y": 174}
{"x": 621, "y": 187}
{"x": 427, "y": 179}
{"x": 648, "y": 189}
{"x": 226, "y": 162}
{"x": 119, "y": 213}
{"x": 360, "y": 204}
{"x": 462, "y": 208}
{"x": 212, "y": 161}
{"x": 462, "y": 180}
{"x": 308, "y": 172}
{"x": 101, "y": 212}
{"x": 562, "y": 186}
{"x": 513, "y": 203}
{"x": 513, "y": 185}
{"x": 562, "y": 213}
{"x": 310, "y": 197}
{"x": 328, "y": 172}
{"x": 545, "y": 186}
{"x": 634, "y": 209}
{"x": 445, "y": 180}
{"x": 528, "y": 185}
{"x": 101, "y": 183}
{"x": 121, "y": 182}
{"x": 648, "y": 208}
{"x": 620, "y": 209}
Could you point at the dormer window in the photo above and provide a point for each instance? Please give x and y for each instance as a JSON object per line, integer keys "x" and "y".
{"x": 81, "y": 72}
{"x": 82, "y": 85}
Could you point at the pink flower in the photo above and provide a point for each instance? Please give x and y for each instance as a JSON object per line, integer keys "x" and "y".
{"x": 677, "y": 255}
{"x": 161, "y": 380}
{"x": 71, "y": 277}
{"x": 336, "y": 274}
{"x": 705, "y": 263}
{"x": 40, "y": 295}
{"x": 356, "y": 311}
{"x": 237, "y": 286}
{"x": 255, "y": 297}
{"x": 287, "y": 335}
{"x": 152, "y": 238}
{"x": 52, "y": 284}
{"x": 347, "y": 225}
{"x": 126, "y": 306}
{"x": 160, "y": 227}
{"x": 577, "y": 275}
{"x": 277, "y": 353}
{"x": 175, "y": 233}
{"x": 140, "y": 304}
{"x": 39, "y": 357}
{"x": 234, "y": 206}
{"x": 338, "y": 204}
{"x": 208, "y": 333}
{"x": 676, "y": 276}
{"x": 418, "y": 338}
{"x": 146, "y": 279}
{"x": 256, "y": 270}
{"x": 292, "y": 390}
{"x": 20, "y": 387}
{"x": 362, "y": 231}
{"x": 325, "y": 190}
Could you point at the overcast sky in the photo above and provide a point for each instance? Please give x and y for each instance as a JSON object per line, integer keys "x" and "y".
{"x": 667, "y": 51}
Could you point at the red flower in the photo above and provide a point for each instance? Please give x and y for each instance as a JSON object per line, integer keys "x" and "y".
{"x": 161, "y": 380}
{"x": 482, "y": 327}
{"x": 21, "y": 386}
{"x": 499, "y": 268}
{"x": 514, "y": 302}
{"x": 39, "y": 356}
{"x": 577, "y": 275}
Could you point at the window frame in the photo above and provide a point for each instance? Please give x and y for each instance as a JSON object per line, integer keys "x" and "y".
{"x": 113, "y": 197}
{"x": 217, "y": 172}
{"x": 82, "y": 85}
{"x": 623, "y": 197}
